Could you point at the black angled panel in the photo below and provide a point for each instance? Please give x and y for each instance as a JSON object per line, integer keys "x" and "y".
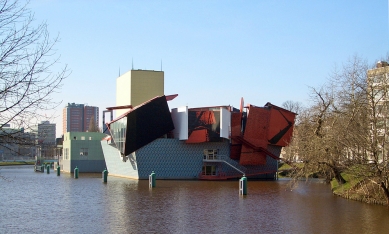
{"x": 146, "y": 123}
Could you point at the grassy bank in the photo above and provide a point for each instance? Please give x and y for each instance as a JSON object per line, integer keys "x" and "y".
{"x": 358, "y": 190}
{"x": 16, "y": 163}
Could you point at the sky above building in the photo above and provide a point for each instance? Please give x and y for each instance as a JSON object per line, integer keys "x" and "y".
{"x": 212, "y": 52}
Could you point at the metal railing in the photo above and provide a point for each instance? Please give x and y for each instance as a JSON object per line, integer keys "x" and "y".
{"x": 220, "y": 158}
{"x": 214, "y": 157}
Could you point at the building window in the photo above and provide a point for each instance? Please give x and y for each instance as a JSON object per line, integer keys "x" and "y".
{"x": 84, "y": 152}
{"x": 90, "y": 138}
{"x": 82, "y": 138}
{"x": 209, "y": 170}
{"x": 211, "y": 154}
{"x": 66, "y": 153}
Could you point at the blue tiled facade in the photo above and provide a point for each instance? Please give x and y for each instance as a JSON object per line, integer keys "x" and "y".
{"x": 267, "y": 171}
{"x": 174, "y": 159}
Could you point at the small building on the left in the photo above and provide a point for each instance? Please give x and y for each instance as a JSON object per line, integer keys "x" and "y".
{"x": 16, "y": 144}
{"x": 82, "y": 150}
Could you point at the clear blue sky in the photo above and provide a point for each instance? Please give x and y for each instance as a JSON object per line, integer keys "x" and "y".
{"x": 213, "y": 52}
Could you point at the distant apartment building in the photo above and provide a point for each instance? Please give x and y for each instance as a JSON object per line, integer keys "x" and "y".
{"x": 378, "y": 86}
{"x": 16, "y": 143}
{"x": 77, "y": 117}
{"x": 46, "y": 133}
{"x": 45, "y": 138}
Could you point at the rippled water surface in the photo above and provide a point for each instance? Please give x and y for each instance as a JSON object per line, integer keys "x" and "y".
{"x": 33, "y": 202}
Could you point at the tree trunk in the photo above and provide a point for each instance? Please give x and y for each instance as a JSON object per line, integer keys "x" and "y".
{"x": 338, "y": 175}
{"x": 337, "y": 172}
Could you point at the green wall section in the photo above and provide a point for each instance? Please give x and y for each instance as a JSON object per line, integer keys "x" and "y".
{"x": 77, "y": 144}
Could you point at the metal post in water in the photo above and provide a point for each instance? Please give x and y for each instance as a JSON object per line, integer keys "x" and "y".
{"x": 152, "y": 180}
{"x": 243, "y": 185}
{"x": 105, "y": 175}
{"x": 76, "y": 172}
{"x": 48, "y": 169}
{"x": 58, "y": 170}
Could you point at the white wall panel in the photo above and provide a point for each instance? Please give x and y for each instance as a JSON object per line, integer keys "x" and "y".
{"x": 180, "y": 120}
{"x": 225, "y": 122}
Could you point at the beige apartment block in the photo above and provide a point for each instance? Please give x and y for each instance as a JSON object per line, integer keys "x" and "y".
{"x": 378, "y": 82}
{"x": 378, "y": 88}
{"x": 137, "y": 86}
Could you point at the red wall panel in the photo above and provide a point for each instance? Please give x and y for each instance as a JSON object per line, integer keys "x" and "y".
{"x": 257, "y": 124}
{"x": 280, "y": 126}
{"x": 236, "y": 123}
{"x": 235, "y": 150}
{"x": 249, "y": 156}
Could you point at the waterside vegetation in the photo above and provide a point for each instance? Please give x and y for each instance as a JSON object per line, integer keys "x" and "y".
{"x": 16, "y": 163}
{"x": 343, "y": 135}
{"x": 358, "y": 189}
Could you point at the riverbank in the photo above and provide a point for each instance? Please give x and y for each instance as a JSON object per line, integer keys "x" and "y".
{"x": 354, "y": 189}
{"x": 16, "y": 163}
{"x": 359, "y": 190}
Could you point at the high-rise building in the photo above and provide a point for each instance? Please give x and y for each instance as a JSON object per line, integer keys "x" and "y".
{"x": 46, "y": 133}
{"x": 91, "y": 113}
{"x": 77, "y": 117}
{"x": 137, "y": 86}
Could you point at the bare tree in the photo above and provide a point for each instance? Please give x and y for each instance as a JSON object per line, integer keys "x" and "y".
{"x": 293, "y": 106}
{"x": 27, "y": 56}
{"x": 317, "y": 138}
{"x": 93, "y": 126}
{"x": 345, "y": 130}
{"x": 372, "y": 167}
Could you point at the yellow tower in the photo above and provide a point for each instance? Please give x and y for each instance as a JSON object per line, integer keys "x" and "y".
{"x": 137, "y": 86}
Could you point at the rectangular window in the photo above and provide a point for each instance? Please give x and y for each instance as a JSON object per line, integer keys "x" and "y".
{"x": 66, "y": 153}
{"x": 209, "y": 170}
{"x": 84, "y": 152}
{"x": 82, "y": 138}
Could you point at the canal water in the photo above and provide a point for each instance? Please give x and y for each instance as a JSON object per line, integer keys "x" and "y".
{"x": 34, "y": 202}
